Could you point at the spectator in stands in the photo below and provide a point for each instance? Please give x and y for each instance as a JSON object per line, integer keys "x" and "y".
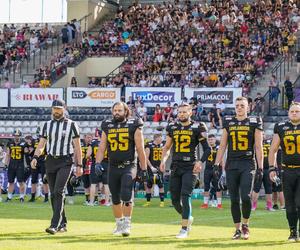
{"x": 157, "y": 117}
{"x": 175, "y": 111}
{"x": 73, "y": 82}
{"x": 142, "y": 111}
{"x": 65, "y": 35}
{"x": 274, "y": 91}
{"x": 167, "y": 112}
{"x": 288, "y": 87}
{"x": 213, "y": 117}
{"x": 7, "y": 84}
{"x": 130, "y": 102}
{"x": 93, "y": 82}
{"x": 220, "y": 111}
{"x": 200, "y": 110}
{"x": 259, "y": 105}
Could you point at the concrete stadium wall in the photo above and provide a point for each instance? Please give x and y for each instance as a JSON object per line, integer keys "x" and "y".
{"x": 98, "y": 67}
{"x": 80, "y": 8}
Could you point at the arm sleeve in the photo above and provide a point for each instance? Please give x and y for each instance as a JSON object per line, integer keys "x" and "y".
{"x": 75, "y": 130}
{"x": 276, "y": 129}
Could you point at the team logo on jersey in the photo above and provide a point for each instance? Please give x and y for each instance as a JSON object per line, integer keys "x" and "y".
{"x": 285, "y": 127}
{"x": 110, "y": 125}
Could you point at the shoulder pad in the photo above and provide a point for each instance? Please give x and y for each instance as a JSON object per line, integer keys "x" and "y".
{"x": 228, "y": 118}
{"x": 253, "y": 119}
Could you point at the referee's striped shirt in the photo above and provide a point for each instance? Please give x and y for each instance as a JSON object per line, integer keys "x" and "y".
{"x": 59, "y": 135}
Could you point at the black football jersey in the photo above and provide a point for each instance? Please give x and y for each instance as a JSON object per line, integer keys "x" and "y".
{"x": 84, "y": 149}
{"x": 289, "y": 135}
{"x": 120, "y": 139}
{"x": 266, "y": 149}
{"x": 95, "y": 147}
{"x": 241, "y": 137}
{"x": 155, "y": 153}
{"x": 211, "y": 156}
{"x": 185, "y": 140}
{"x": 17, "y": 151}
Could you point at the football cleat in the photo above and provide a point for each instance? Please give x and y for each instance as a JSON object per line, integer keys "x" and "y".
{"x": 237, "y": 235}
{"x": 51, "y": 230}
{"x": 182, "y": 234}
{"x": 126, "y": 228}
{"x": 245, "y": 231}
{"x": 8, "y": 200}
{"x": 147, "y": 204}
{"x": 204, "y": 206}
{"x": 275, "y": 206}
{"x": 119, "y": 228}
{"x": 293, "y": 236}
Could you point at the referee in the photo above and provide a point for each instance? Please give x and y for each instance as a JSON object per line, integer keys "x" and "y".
{"x": 60, "y": 135}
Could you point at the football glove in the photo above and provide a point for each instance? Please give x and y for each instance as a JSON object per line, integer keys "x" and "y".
{"x": 258, "y": 175}
{"x": 75, "y": 181}
{"x": 216, "y": 172}
{"x": 222, "y": 183}
{"x": 5, "y": 167}
{"x": 99, "y": 169}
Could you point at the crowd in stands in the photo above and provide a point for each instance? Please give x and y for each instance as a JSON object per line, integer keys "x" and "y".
{"x": 174, "y": 44}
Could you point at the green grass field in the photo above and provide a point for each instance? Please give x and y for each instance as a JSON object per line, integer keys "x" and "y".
{"x": 22, "y": 227}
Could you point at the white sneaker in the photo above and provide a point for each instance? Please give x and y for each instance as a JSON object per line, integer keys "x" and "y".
{"x": 86, "y": 203}
{"x": 119, "y": 228}
{"x": 190, "y": 222}
{"x": 182, "y": 234}
{"x": 126, "y": 228}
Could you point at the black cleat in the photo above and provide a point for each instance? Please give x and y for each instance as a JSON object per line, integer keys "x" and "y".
{"x": 275, "y": 206}
{"x": 293, "y": 236}
{"x": 46, "y": 200}
{"x": 51, "y": 230}
{"x": 8, "y": 200}
{"x": 237, "y": 235}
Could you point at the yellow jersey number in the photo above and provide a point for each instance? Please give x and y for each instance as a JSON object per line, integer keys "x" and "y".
{"x": 266, "y": 149}
{"x": 239, "y": 140}
{"x": 182, "y": 143}
{"x": 16, "y": 153}
{"x": 157, "y": 154}
{"x": 291, "y": 144}
{"x": 118, "y": 141}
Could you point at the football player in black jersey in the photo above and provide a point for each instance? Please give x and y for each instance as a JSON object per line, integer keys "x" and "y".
{"x": 242, "y": 137}
{"x": 183, "y": 137}
{"x": 122, "y": 137}
{"x": 287, "y": 135}
{"x": 153, "y": 153}
{"x": 277, "y": 192}
{"x": 265, "y": 181}
{"x": 209, "y": 158}
{"x": 86, "y": 164}
{"x": 95, "y": 179}
{"x": 15, "y": 162}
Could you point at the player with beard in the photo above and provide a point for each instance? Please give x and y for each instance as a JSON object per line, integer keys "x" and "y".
{"x": 183, "y": 137}
{"x": 15, "y": 162}
{"x": 242, "y": 137}
{"x": 122, "y": 137}
{"x": 287, "y": 136}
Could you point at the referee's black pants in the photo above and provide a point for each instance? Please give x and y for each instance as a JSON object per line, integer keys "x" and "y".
{"x": 291, "y": 191}
{"x": 58, "y": 171}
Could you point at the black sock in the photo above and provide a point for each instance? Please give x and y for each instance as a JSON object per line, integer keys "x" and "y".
{"x": 162, "y": 196}
{"x": 33, "y": 196}
{"x": 148, "y": 197}
{"x": 184, "y": 228}
{"x": 46, "y": 195}
{"x": 87, "y": 197}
